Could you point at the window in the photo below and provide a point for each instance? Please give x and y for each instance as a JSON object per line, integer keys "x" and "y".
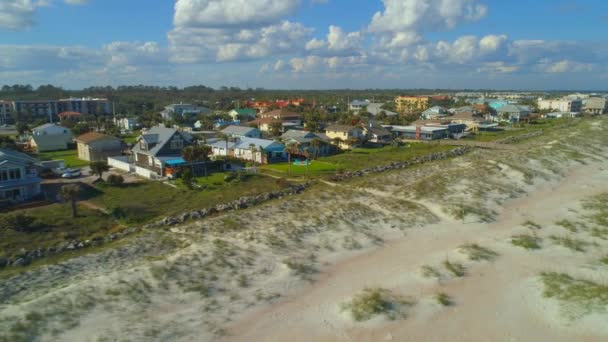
{"x": 177, "y": 144}
{"x": 10, "y": 174}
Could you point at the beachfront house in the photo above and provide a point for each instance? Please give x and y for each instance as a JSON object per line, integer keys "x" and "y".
{"x": 95, "y": 146}
{"x": 19, "y": 181}
{"x": 344, "y": 136}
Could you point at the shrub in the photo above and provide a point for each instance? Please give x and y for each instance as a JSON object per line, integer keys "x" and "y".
{"x": 444, "y": 299}
{"x": 526, "y": 241}
{"x": 373, "y": 302}
{"x": 115, "y": 180}
{"x": 604, "y": 260}
{"x": 18, "y": 222}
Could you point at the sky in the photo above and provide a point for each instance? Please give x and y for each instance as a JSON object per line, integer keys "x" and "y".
{"x": 307, "y": 44}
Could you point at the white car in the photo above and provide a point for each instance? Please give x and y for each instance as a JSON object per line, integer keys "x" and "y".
{"x": 71, "y": 173}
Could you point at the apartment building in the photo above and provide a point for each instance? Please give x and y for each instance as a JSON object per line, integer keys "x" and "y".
{"x": 6, "y": 109}
{"x": 562, "y": 105}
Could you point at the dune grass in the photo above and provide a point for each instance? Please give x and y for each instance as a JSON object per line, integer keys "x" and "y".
{"x": 478, "y": 253}
{"x": 444, "y": 299}
{"x": 577, "y": 296}
{"x": 570, "y": 243}
{"x": 454, "y": 268}
{"x": 429, "y": 272}
{"x": 373, "y": 302}
{"x": 526, "y": 241}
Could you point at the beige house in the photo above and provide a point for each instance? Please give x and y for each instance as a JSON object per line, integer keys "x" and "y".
{"x": 412, "y": 103}
{"x": 344, "y": 136}
{"x": 95, "y": 146}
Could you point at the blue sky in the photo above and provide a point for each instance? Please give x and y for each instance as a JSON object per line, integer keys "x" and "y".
{"x": 541, "y": 44}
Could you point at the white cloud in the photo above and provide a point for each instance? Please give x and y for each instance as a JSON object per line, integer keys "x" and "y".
{"x": 421, "y": 15}
{"x": 77, "y": 2}
{"x": 201, "y": 45}
{"x": 19, "y": 15}
{"x": 337, "y": 43}
{"x": 564, "y": 66}
{"x": 231, "y": 13}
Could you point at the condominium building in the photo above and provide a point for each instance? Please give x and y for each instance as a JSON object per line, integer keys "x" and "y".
{"x": 85, "y": 106}
{"x": 412, "y": 103}
{"x": 562, "y": 105}
{"x": 6, "y": 108}
{"x": 37, "y": 108}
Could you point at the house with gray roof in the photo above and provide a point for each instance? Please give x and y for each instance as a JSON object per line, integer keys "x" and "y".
{"x": 513, "y": 113}
{"x": 261, "y": 151}
{"x": 376, "y": 108}
{"x": 156, "y": 148}
{"x": 50, "y": 137}
{"x": 242, "y": 132}
{"x": 19, "y": 181}
{"x": 312, "y": 144}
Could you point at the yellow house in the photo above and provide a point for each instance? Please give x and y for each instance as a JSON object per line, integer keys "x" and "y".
{"x": 412, "y": 103}
{"x": 344, "y": 136}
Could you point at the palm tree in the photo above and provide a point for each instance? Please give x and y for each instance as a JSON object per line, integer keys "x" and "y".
{"x": 189, "y": 155}
{"x": 254, "y": 151}
{"x": 291, "y": 149}
{"x": 98, "y": 168}
{"x": 193, "y": 154}
{"x": 70, "y": 192}
{"x": 316, "y": 145}
{"x": 227, "y": 139}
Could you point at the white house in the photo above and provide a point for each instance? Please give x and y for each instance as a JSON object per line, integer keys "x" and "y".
{"x": 242, "y": 132}
{"x": 50, "y": 137}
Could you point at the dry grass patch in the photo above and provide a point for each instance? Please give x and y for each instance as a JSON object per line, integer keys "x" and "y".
{"x": 570, "y": 243}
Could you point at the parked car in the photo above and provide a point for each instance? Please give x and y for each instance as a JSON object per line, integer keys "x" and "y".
{"x": 71, "y": 173}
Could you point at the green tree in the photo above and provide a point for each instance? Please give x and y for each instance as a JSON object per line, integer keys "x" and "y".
{"x": 275, "y": 128}
{"x": 193, "y": 154}
{"x": 69, "y": 193}
{"x": 187, "y": 178}
{"x": 291, "y": 149}
{"x": 98, "y": 168}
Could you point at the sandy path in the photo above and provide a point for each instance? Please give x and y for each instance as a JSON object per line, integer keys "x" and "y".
{"x": 494, "y": 301}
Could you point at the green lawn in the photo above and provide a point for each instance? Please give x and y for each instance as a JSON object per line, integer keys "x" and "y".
{"x": 55, "y": 225}
{"x": 360, "y": 158}
{"x": 130, "y": 138}
{"x": 357, "y": 159}
{"x": 537, "y": 125}
{"x": 130, "y": 204}
{"x": 145, "y": 201}
{"x": 316, "y": 168}
{"x": 70, "y": 157}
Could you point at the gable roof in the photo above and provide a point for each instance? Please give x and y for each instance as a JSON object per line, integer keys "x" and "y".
{"x": 280, "y": 113}
{"x": 238, "y": 130}
{"x": 339, "y": 128}
{"x": 159, "y": 135}
{"x": 15, "y": 157}
{"x": 94, "y": 136}
{"x": 294, "y": 133}
{"x": 245, "y": 143}
{"x": 513, "y": 109}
